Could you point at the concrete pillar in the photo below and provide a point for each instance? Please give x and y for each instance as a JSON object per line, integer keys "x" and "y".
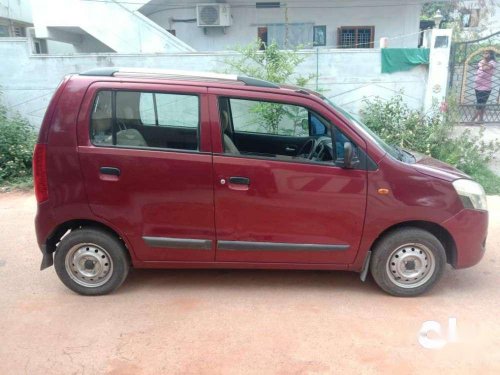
{"x": 439, "y": 42}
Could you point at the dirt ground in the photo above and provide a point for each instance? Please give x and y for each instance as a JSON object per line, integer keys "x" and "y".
{"x": 235, "y": 322}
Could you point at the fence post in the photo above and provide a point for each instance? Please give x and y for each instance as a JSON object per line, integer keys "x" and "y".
{"x": 439, "y": 42}
{"x": 317, "y": 68}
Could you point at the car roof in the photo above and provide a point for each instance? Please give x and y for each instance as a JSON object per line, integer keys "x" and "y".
{"x": 193, "y": 78}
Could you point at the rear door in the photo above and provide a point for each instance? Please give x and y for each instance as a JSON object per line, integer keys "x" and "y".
{"x": 146, "y": 158}
{"x": 277, "y": 208}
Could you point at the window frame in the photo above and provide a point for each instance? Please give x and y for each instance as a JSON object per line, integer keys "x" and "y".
{"x": 315, "y": 29}
{"x": 474, "y": 15}
{"x": 267, "y": 4}
{"x": 260, "y": 31}
{"x": 366, "y": 163}
{"x": 356, "y": 29}
{"x": 114, "y": 91}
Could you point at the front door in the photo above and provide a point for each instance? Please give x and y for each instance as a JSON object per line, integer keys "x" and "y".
{"x": 290, "y": 203}
{"x": 147, "y": 166}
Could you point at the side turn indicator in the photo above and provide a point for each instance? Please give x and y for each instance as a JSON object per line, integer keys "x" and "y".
{"x": 383, "y": 191}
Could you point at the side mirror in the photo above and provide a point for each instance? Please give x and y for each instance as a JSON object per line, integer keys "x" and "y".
{"x": 349, "y": 155}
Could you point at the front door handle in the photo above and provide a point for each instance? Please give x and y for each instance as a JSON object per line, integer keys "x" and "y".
{"x": 112, "y": 171}
{"x": 239, "y": 180}
{"x": 109, "y": 174}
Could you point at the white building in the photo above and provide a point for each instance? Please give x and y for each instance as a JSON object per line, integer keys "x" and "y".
{"x": 160, "y": 26}
{"x": 15, "y": 17}
{"x": 334, "y": 23}
{"x": 102, "y": 26}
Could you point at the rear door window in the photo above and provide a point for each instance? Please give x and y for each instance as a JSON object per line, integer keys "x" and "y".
{"x": 145, "y": 120}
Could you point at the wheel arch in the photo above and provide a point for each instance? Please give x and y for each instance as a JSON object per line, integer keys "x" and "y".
{"x": 435, "y": 229}
{"x": 64, "y": 228}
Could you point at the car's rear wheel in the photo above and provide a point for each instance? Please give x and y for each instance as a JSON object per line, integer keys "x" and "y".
{"x": 407, "y": 262}
{"x": 91, "y": 262}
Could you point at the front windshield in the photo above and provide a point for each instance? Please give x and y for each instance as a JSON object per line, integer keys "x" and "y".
{"x": 392, "y": 150}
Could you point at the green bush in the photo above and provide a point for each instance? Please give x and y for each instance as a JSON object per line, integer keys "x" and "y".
{"x": 434, "y": 134}
{"x": 270, "y": 63}
{"x": 17, "y": 140}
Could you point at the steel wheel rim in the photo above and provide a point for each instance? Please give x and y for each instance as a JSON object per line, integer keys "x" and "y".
{"x": 89, "y": 265}
{"x": 411, "y": 265}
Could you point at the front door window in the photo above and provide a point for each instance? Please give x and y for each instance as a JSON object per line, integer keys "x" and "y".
{"x": 280, "y": 131}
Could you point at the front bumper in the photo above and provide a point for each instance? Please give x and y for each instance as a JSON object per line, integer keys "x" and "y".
{"x": 469, "y": 229}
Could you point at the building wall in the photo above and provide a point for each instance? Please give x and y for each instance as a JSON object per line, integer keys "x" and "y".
{"x": 391, "y": 18}
{"x": 15, "y": 17}
{"x": 113, "y": 23}
{"x": 19, "y": 10}
{"x": 347, "y": 77}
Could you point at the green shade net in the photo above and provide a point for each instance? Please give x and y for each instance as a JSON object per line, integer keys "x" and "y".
{"x": 401, "y": 59}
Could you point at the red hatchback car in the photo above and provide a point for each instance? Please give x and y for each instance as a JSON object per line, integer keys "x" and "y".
{"x": 165, "y": 169}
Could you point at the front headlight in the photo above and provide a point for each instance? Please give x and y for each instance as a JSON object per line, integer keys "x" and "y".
{"x": 471, "y": 194}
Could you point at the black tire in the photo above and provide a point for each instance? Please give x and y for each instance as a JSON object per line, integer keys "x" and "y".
{"x": 403, "y": 252}
{"x": 112, "y": 250}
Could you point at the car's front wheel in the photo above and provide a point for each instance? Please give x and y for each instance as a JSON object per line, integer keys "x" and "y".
{"x": 91, "y": 261}
{"x": 408, "y": 262}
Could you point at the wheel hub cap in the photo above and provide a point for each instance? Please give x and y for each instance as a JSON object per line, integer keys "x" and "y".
{"x": 411, "y": 265}
{"x": 89, "y": 265}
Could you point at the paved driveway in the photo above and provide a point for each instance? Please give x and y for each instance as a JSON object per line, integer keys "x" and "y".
{"x": 232, "y": 322}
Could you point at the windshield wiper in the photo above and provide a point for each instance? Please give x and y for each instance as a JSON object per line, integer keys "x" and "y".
{"x": 404, "y": 155}
{"x": 399, "y": 150}
{"x": 413, "y": 158}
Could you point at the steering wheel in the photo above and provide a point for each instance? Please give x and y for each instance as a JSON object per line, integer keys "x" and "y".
{"x": 309, "y": 145}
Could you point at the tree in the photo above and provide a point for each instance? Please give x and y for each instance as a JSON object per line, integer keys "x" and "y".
{"x": 453, "y": 12}
{"x": 272, "y": 64}
{"x": 447, "y": 9}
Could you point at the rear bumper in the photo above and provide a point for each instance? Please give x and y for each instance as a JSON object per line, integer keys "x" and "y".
{"x": 469, "y": 229}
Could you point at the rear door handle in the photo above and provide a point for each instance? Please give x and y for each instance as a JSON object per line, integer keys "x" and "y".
{"x": 112, "y": 171}
{"x": 239, "y": 180}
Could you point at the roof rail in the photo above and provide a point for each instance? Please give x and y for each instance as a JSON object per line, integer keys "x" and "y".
{"x": 177, "y": 74}
{"x": 105, "y": 72}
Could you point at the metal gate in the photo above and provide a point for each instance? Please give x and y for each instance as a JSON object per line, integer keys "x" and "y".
{"x": 464, "y": 66}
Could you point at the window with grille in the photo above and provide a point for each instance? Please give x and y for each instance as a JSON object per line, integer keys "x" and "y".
{"x": 19, "y": 31}
{"x": 356, "y": 36}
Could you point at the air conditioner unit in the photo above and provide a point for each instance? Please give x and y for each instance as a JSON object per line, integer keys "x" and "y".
{"x": 214, "y": 14}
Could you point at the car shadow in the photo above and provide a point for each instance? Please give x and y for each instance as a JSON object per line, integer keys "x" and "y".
{"x": 161, "y": 280}
{"x": 140, "y": 280}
